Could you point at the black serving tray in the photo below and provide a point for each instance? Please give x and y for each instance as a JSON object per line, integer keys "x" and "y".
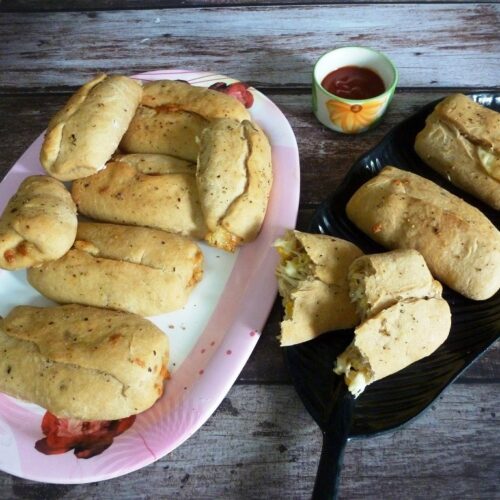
{"x": 397, "y": 399}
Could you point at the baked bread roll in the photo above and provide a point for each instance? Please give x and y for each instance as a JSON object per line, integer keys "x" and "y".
{"x": 173, "y": 114}
{"x": 38, "y": 223}
{"x": 312, "y": 280}
{"x": 378, "y": 281}
{"x": 234, "y": 177}
{"x": 134, "y": 269}
{"x": 460, "y": 245}
{"x": 122, "y": 193}
{"x": 157, "y": 164}
{"x": 461, "y": 141}
{"x": 82, "y": 136}
{"x": 82, "y": 362}
{"x": 393, "y": 339}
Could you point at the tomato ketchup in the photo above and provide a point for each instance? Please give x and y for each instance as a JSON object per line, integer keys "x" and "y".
{"x": 353, "y": 82}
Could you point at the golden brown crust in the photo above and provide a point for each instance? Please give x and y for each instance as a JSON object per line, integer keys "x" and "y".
{"x": 121, "y": 194}
{"x": 461, "y": 246}
{"x": 312, "y": 279}
{"x": 38, "y": 223}
{"x": 479, "y": 124}
{"x": 210, "y": 104}
{"x": 393, "y": 339}
{"x": 461, "y": 141}
{"x": 83, "y": 135}
{"x": 82, "y": 362}
{"x": 134, "y": 269}
{"x": 172, "y": 116}
{"x": 234, "y": 178}
{"x": 378, "y": 281}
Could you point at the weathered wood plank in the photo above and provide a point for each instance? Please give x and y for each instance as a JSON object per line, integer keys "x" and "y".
{"x": 261, "y": 443}
{"x": 89, "y": 5}
{"x": 432, "y": 44}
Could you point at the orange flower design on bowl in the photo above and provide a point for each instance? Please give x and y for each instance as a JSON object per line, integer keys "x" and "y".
{"x": 352, "y": 118}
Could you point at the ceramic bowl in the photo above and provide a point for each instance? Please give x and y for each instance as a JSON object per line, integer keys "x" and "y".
{"x": 352, "y": 116}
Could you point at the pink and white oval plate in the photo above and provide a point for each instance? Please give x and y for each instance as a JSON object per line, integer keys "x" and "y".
{"x": 211, "y": 338}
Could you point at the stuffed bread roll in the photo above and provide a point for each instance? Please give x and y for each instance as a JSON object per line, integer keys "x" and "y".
{"x": 380, "y": 280}
{"x": 460, "y": 245}
{"x": 38, "y": 223}
{"x": 157, "y": 164}
{"x": 393, "y": 339}
{"x": 172, "y": 116}
{"x": 234, "y": 177}
{"x": 461, "y": 141}
{"x": 312, "y": 280}
{"x": 82, "y": 362}
{"x": 122, "y": 193}
{"x": 134, "y": 269}
{"x": 82, "y": 136}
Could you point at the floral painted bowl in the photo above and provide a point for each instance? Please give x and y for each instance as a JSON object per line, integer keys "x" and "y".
{"x": 352, "y": 116}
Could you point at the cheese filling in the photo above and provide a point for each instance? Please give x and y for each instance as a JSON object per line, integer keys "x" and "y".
{"x": 294, "y": 267}
{"x": 356, "y": 370}
{"x": 490, "y": 162}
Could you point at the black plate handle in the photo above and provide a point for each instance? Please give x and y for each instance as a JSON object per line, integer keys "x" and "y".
{"x": 335, "y": 436}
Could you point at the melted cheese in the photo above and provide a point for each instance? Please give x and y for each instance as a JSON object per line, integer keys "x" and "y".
{"x": 490, "y": 162}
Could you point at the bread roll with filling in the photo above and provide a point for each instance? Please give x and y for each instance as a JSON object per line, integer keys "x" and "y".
{"x": 134, "y": 269}
{"x": 399, "y": 209}
{"x": 312, "y": 280}
{"x": 38, "y": 224}
{"x": 393, "y": 339}
{"x": 82, "y": 136}
{"x": 121, "y": 193}
{"x": 234, "y": 178}
{"x": 461, "y": 141}
{"x": 172, "y": 116}
{"x": 82, "y": 362}
{"x": 380, "y": 280}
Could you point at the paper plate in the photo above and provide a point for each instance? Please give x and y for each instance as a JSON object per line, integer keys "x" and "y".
{"x": 211, "y": 338}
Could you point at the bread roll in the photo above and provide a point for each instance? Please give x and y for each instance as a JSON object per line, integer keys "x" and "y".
{"x": 121, "y": 193}
{"x": 172, "y": 116}
{"x": 157, "y": 164}
{"x": 378, "y": 281}
{"x": 38, "y": 223}
{"x": 82, "y": 136}
{"x": 393, "y": 339}
{"x": 312, "y": 279}
{"x": 460, "y": 245}
{"x": 82, "y": 362}
{"x": 234, "y": 178}
{"x": 461, "y": 141}
{"x": 139, "y": 270}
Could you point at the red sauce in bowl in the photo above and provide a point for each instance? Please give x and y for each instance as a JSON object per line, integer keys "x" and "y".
{"x": 354, "y": 82}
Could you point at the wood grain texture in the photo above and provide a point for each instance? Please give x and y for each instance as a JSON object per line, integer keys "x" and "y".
{"x": 261, "y": 443}
{"x": 90, "y": 5}
{"x": 267, "y": 46}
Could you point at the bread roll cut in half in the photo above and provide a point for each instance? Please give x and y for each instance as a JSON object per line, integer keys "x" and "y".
{"x": 399, "y": 209}
{"x": 144, "y": 190}
{"x": 404, "y": 317}
{"x": 172, "y": 116}
{"x": 312, "y": 280}
{"x": 378, "y": 281}
{"x": 234, "y": 178}
{"x": 393, "y": 339}
{"x": 139, "y": 270}
{"x": 461, "y": 141}
{"x": 38, "y": 224}
{"x": 82, "y": 136}
{"x": 82, "y": 362}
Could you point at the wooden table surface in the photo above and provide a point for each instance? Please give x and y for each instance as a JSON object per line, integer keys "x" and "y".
{"x": 261, "y": 443}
